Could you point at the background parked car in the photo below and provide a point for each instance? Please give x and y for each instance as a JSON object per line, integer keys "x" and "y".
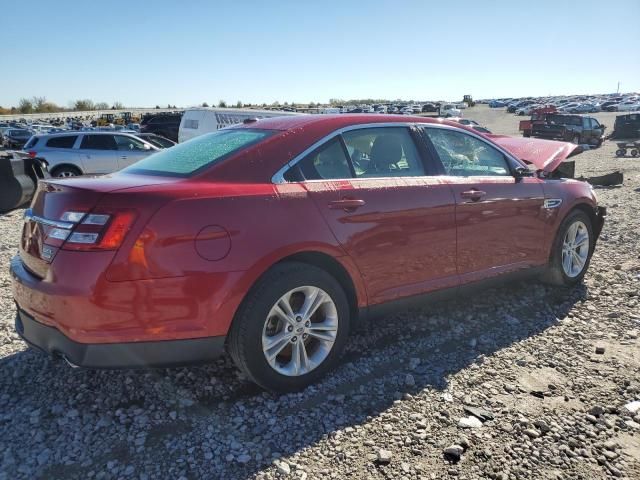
{"x": 629, "y": 106}
{"x": 572, "y": 128}
{"x": 156, "y": 140}
{"x": 16, "y": 137}
{"x": 78, "y": 153}
{"x": 166, "y": 125}
{"x": 449, "y": 110}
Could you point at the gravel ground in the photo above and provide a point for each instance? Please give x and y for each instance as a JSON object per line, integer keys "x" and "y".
{"x": 525, "y": 381}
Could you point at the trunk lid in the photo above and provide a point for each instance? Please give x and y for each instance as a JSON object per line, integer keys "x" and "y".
{"x": 55, "y": 197}
{"x": 546, "y": 155}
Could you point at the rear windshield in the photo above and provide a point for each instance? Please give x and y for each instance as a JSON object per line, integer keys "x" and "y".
{"x": 187, "y": 158}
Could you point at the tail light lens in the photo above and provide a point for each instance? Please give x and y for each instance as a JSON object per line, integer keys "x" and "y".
{"x": 92, "y": 231}
{"x": 32, "y": 153}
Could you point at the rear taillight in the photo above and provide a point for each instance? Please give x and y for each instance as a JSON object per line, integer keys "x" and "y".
{"x": 32, "y": 153}
{"x": 91, "y": 231}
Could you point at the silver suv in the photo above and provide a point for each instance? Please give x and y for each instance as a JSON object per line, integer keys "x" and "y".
{"x": 78, "y": 153}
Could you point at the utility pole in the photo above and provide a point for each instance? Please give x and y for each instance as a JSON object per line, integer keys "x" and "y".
{"x": 618, "y": 90}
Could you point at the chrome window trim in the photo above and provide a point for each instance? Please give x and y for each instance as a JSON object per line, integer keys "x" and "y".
{"x": 278, "y": 177}
{"x": 28, "y": 215}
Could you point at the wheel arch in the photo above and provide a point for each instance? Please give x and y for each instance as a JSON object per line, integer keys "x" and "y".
{"x": 333, "y": 267}
{"x": 582, "y": 206}
{"x": 341, "y": 268}
{"x": 590, "y": 211}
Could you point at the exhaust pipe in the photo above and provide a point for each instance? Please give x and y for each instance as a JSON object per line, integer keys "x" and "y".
{"x": 67, "y": 361}
{"x": 72, "y": 365}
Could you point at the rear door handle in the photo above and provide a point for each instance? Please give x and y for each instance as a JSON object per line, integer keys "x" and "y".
{"x": 124, "y": 157}
{"x": 473, "y": 194}
{"x": 346, "y": 204}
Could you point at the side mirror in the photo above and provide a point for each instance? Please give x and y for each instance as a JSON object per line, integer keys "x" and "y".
{"x": 522, "y": 172}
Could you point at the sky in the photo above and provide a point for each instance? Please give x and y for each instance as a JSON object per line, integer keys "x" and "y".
{"x": 188, "y": 52}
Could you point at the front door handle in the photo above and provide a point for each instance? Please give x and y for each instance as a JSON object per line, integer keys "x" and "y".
{"x": 346, "y": 204}
{"x": 473, "y": 194}
{"x": 124, "y": 157}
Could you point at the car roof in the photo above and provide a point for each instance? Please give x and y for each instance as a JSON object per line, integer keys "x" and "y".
{"x": 298, "y": 133}
{"x": 87, "y": 132}
{"x": 333, "y": 121}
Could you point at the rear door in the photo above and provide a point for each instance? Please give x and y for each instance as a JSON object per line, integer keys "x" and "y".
{"x": 395, "y": 220}
{"x": 98, "y": 153}
{"x": 501, "y": 222}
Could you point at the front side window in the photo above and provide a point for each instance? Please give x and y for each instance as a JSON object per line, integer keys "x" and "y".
{"x": 128, "y": 143}
{"x": 328, "y": 162}
{"x": 464, "y": 156}
{"x": 186, "y": 158}
{"x": 383, "y": 152}
{"x": 98, "y": 142}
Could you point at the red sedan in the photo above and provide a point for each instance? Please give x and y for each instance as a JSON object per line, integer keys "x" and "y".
{"x": 273, "y": 238}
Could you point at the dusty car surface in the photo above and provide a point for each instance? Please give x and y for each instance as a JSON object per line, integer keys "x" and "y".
{"x": 273, "y": 238}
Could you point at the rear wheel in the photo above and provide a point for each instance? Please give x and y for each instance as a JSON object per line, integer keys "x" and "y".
{"x": 571, "y": 250}
{"x": 291, "y": 329}
{"x": 634, "y": 153}
{"x": 65, "y": 171}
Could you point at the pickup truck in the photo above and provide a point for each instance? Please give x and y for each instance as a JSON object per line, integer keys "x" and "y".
{"x": 577, "y": 129}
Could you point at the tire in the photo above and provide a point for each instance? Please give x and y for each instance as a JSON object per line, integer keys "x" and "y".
{"x": 620, "y": 152}
{"x": 557, "y": 273}
{"x": 634, "y": 153}
{"x": 66, "y": 171}
{"x": 255, "y": 323}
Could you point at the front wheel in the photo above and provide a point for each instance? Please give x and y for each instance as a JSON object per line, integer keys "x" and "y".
{"x": 571, "y": 250}
{"x": 291, "y": 329}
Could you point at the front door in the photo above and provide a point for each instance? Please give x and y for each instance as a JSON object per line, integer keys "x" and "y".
{"x": 393, "y": 220}
{"x": 130, "y": 150}
{"x": 500, "y": 219}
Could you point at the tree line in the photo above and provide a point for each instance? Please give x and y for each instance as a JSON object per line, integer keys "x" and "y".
{"x": 42, "y": 105}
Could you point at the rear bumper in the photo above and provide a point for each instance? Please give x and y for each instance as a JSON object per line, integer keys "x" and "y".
{"x": 166, "y": 353}
{"x": 75, "y": 298}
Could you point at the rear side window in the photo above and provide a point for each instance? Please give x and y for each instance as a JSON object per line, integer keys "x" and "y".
{"x": 66, "y": 141}
{"x": 191, "y": 124}
{"x": 31, "y": 143}
{"x": 98, "y": 142}
{"x": 327, "y": 162}
{"x": 186, "y": 158}
{"x": 383, "y": 152}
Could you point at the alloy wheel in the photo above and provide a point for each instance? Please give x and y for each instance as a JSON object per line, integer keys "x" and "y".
{"x": 575, "y": 249}
{"x": 300, "y": 331}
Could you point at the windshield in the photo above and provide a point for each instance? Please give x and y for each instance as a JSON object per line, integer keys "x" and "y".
{"x": 187, "y": 158}
{"x": 19, "y": 133}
